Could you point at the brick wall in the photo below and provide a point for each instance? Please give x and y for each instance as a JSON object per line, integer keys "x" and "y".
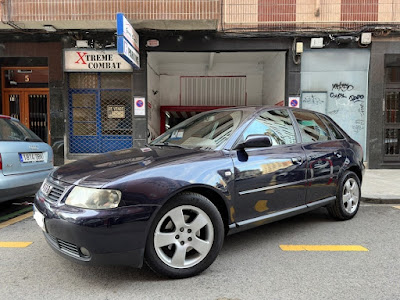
{"x": 84, "y": 10}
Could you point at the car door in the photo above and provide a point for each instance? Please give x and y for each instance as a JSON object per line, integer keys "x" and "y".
{"x": 269, "y": 179}
{"x": 325, "y": 156}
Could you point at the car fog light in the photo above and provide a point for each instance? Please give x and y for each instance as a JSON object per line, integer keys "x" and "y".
{"x": 84, "y": 251}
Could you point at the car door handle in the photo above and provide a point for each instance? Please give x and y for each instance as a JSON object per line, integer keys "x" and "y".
{"x": 297, "y": 160}
{"x": 338, "y": 154}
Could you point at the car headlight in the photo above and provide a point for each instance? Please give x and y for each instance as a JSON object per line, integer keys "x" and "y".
{"x": 93, "y": 198}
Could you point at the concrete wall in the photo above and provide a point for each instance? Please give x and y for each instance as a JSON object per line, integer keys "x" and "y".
{"x": 153, "y": 94}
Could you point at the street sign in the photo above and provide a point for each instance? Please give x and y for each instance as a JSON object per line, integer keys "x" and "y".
{"x": 125, "y": 29}
{"x": 294, "y": 102}
{"x": 140, "y": 107}
{"x": 127, "y": 52}
{"x": 127, "y": 41}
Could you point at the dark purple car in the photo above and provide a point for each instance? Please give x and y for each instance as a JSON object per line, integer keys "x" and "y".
{"x": 172, "y": 203}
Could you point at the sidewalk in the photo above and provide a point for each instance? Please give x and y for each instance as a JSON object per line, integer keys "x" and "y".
{"x": 381, "y": 186}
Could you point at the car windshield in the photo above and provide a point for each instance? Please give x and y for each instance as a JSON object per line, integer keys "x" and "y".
{"x": 207, "y": 131}
{"x": 11, "y": 130}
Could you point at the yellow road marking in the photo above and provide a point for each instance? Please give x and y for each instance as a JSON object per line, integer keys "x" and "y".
{"x": 16, "y": 220}
{"x": 14, "y": 244}
{"x": 398, "y": 206}
{"x": 322, "y": 248}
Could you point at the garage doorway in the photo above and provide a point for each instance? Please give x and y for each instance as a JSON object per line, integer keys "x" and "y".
{"x": 181, "y": 84}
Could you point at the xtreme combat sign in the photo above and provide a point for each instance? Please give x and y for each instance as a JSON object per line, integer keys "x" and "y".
{"x": 87, "y": 60}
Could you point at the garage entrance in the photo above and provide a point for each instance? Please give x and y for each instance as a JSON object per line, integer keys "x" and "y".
{"x": 181, "y": 84}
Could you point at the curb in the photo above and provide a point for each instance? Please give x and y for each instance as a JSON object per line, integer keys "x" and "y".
{"x": 380, "y": 200}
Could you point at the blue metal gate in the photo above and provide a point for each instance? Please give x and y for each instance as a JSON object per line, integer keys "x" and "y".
{"x": 100, "y": 112}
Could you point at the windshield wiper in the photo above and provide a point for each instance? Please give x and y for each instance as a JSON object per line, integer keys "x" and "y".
{"x": 169, "y": 145}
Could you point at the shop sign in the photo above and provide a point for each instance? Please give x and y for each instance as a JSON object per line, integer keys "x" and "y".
{"x": 116, "y": 111}
{"x": 127, "y": 52}
{"x": 140, "y": 107}
{"x": 88, "y": 60}
{"x": 125, "y": 29}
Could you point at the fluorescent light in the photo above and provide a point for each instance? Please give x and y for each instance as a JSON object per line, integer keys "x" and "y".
{"x": 49, "y": 28}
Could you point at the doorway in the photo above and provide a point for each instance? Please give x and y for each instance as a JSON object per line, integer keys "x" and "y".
{"x": 26, "y": 97}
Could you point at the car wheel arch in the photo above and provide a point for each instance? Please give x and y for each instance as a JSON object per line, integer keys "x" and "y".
{"x": 220, "y": 201}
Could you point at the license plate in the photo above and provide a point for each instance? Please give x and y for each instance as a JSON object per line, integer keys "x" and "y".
{"x": 46, "y": 188}
{"x": 31, "y": 157}
{"x": 39, "y": 218}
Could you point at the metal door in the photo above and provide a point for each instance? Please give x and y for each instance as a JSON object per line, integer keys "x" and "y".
{"x": 391, "y": 131}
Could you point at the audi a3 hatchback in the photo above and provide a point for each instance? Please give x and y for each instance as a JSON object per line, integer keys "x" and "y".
{"x": 25, "y": 161}
{"x": 171, "y": 203}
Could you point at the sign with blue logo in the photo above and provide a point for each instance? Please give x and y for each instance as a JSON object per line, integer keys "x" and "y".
{"x": 127, "y": 52}
{"x": 127, "y": 41}
{"x": 140, "y": 108}
{"x": 294, "y": 101}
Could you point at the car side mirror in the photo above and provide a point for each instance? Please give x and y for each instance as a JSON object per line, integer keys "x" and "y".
{"x": 255, "y": 141}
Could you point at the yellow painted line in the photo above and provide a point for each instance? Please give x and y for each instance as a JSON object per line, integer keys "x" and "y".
{"x": 16, "y": 220}
{"x": 14, "y": 244}
{"x": 322, "y": 248}
{"x": 398, "y": 206}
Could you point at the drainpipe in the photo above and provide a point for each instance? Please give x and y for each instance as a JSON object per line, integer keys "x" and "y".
{"x": 317, "y": 11}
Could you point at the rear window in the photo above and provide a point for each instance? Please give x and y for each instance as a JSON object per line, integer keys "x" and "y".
{"x": 312, "y": 128}
{"x": 336, "y": 133}
{"x": 11, "y": 130}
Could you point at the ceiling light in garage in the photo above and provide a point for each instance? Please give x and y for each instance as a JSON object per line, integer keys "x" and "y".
{"x": 49, "y": 28}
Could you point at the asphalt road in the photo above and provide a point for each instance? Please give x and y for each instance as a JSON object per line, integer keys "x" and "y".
{"x": 250, "y": 266}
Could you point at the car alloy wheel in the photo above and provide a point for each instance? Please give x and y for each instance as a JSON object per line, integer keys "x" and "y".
{"x": 184, "y": 236}
{"x": 351, "y": 192}
{"x": 348, "y": 197}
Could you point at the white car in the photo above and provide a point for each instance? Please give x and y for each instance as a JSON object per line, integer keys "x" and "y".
{"x": 25, "y": 160}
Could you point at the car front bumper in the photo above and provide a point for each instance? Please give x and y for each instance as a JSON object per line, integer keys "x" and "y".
{"x": 96, "y": 237}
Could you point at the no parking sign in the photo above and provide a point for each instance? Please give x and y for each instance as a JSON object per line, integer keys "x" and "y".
{"x": 140, "y": 107}
{"x": 294, "y": 102}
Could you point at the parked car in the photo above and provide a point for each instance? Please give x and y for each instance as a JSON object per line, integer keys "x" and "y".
{"x": 171, "y": 203}
{"x": 25, "y": 161}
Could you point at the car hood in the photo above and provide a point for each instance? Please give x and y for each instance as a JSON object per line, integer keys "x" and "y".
{"x": 101, "y": 169}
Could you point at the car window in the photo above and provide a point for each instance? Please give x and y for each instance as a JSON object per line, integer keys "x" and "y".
{"x": 11, "y": 130}
{"x": 335, "y": 132}
{"x": 312, "y": 128}
{"x": 207, "y": 131}
{"x": 274, "y": 123}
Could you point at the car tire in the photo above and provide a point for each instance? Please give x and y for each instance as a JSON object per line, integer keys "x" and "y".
{"x": 185, "y": 237}
{"x": 348, "y": 197}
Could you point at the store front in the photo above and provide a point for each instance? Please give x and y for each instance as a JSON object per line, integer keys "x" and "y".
{"x": 100, "y": 102}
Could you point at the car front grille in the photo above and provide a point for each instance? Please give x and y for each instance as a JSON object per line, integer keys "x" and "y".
{"x": 56, "y": 191}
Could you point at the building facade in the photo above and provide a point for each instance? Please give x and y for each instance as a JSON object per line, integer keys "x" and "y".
{"x": 62, "y": 76}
